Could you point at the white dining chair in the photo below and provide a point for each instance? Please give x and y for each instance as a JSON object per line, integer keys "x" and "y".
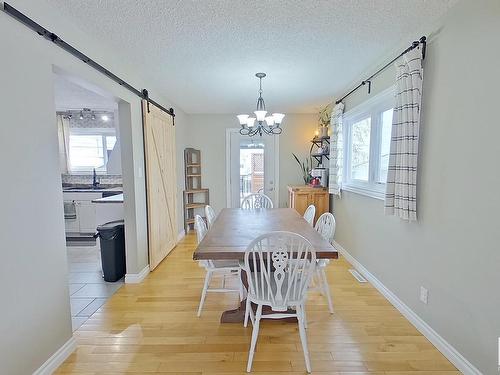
{"x": 309, "y": 214}
{"x": 256, "y": 201}
{"x": 325, "y": 226}
{"x": 279, "y": 267}
{"x": 210, "y": 215}
{"x": 220, "y": 267}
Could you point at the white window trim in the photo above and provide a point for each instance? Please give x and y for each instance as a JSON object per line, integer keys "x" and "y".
{"x": 375, "y": 105}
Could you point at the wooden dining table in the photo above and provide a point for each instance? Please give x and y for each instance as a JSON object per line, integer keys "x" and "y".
{"x": 235, "y": 228}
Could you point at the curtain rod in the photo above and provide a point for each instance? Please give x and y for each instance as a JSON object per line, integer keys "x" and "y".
{"x": 415, "y": 44}
{"x": 40, "y": 30}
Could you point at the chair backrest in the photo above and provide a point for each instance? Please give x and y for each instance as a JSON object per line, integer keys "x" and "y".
{"x": 309, "y": 214}
{"x": 210, "y": 215}
{"x": 283, "y": 263}
{"x": 325, "y": 226}
{"x": 256, "y": 201}
{"x": 200, "y": 227}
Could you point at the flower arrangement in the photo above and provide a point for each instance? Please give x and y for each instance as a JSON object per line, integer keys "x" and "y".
{"x": 305, "y": 168}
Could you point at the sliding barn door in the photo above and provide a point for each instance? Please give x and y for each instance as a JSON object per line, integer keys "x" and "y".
{"x": 159, "y": 150}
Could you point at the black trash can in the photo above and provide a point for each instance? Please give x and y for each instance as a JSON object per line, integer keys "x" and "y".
{"x": 112, "y": 238}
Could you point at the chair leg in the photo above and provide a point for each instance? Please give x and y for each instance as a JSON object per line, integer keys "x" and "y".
{"x": 240, "y": 284}
{"x": 248, "y": 307}
{"x": 319, "y": 281}
{"x": 326, "y": 288}
{"x": 208, "y": 277}
{"x": 255, "y": 335}
{"x": 303, "y": 337}
{"x": 304, "y": 316}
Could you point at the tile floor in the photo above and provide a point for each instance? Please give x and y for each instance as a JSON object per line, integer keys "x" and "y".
{"x": 88, "y": 290}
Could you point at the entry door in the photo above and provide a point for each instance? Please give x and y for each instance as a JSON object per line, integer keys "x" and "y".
{"x": 159, "y": 150}
{"x": 251, "y": 167}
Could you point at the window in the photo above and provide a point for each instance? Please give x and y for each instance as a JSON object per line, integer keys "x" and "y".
{"x": 367, "y": 139}
{"x": 89, "y": 149}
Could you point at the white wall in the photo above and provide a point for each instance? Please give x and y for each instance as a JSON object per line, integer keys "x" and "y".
{"x": 453, "y": 249}
{"x": 35, "y": 316}
{"x": 207, "y": 132}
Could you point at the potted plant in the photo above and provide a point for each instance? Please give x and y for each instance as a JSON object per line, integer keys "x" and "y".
{"x": 305, "y": 168}
{"x": 324, "y": 116}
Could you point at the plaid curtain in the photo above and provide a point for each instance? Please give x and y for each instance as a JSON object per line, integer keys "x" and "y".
{"x": 401, "y": 188}
{"x": 336, "y": 151}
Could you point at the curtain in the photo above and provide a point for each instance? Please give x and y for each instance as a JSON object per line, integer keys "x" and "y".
{"x": 401, "y": 188}
{"x": 63, "y": 137}
{"x": 336, "y": 150}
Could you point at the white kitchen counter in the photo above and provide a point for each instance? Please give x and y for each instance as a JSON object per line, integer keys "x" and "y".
{"x": 118, "y": 198}
{"x": 90, "y": 190}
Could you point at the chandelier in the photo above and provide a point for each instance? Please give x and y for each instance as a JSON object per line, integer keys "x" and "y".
{"x": 265, "y": 124}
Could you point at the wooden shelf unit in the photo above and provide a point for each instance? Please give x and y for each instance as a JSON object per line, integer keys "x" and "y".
{"x": 195, "y": 197}
{"x": 317, "y": 146}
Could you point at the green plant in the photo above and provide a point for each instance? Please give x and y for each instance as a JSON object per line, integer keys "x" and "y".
{"x": 305, "y": 168}
{"x": 324, "y": 115}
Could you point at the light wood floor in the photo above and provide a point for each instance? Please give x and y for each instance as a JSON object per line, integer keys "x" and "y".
{"x": 152, "y": 328}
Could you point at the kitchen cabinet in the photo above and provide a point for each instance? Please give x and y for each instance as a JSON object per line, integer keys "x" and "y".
{"x": 85, "y": 221}
{"x": 86, "y": 213}
{"x": 300, "y": 197}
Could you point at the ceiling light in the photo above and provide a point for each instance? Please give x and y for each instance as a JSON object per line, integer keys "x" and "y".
{"x": 272, "y": 123}
{"x": 105, "y": 118}
{"x": 92, "y": 116}
{"x": 81, "y": 115}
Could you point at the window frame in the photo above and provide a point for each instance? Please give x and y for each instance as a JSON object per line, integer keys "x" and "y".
{"x": 373, "y": 109}
{"x": 103, "y": 132}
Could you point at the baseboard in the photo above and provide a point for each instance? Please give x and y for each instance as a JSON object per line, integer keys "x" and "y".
{"x": 136, "y": 278}
{"x": 57, "y": 358}
{"x": 460, "y": 362}
{"x": 181, "y": 235}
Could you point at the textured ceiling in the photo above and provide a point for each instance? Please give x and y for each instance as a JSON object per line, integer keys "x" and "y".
{"x": 203, "y": 54}
{"x": 72, "y": 95}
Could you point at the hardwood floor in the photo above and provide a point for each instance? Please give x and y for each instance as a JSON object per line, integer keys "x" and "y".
{"x": 152, "y": 328}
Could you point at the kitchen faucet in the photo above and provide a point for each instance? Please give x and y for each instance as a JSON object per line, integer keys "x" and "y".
{"x": 95, "y": 182}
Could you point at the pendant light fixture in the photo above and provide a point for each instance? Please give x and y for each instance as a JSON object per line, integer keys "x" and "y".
{"x": 265, "y": 124}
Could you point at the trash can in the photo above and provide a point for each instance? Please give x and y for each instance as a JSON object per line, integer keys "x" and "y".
{"x": 112, "y": 238}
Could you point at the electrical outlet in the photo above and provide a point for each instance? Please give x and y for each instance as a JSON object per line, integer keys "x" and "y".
{"x": 424, "y": 295}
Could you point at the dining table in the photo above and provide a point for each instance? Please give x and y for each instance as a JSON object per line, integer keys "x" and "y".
{"x": 235, "y": 228}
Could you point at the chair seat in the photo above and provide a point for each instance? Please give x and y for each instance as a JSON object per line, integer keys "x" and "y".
{"x": 264, "y": 297}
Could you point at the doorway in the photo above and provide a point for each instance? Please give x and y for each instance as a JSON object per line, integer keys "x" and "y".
{"x": 252, "y": 166}
{"x": 91, "y": 183}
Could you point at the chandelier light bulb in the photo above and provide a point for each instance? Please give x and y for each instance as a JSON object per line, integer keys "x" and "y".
{"x": 261, "y": 115}
{"x": 242, "y": 119}
{"x": 269, "y": 120}
{"x": 250, "y": 122}
{"x": 278, "y": 117}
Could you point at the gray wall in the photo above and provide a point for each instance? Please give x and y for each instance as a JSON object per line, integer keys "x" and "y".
{"x": 207, "y": 132}
{"x": 453, "y": 249}
{"x": 35, "y": 321}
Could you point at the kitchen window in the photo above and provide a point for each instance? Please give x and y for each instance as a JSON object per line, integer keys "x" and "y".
{"x": 367, "y": 138}
{"x": 90, "y": 149}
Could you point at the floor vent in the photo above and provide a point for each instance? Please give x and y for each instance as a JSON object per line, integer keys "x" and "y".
{"x": 357, "y": 276}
